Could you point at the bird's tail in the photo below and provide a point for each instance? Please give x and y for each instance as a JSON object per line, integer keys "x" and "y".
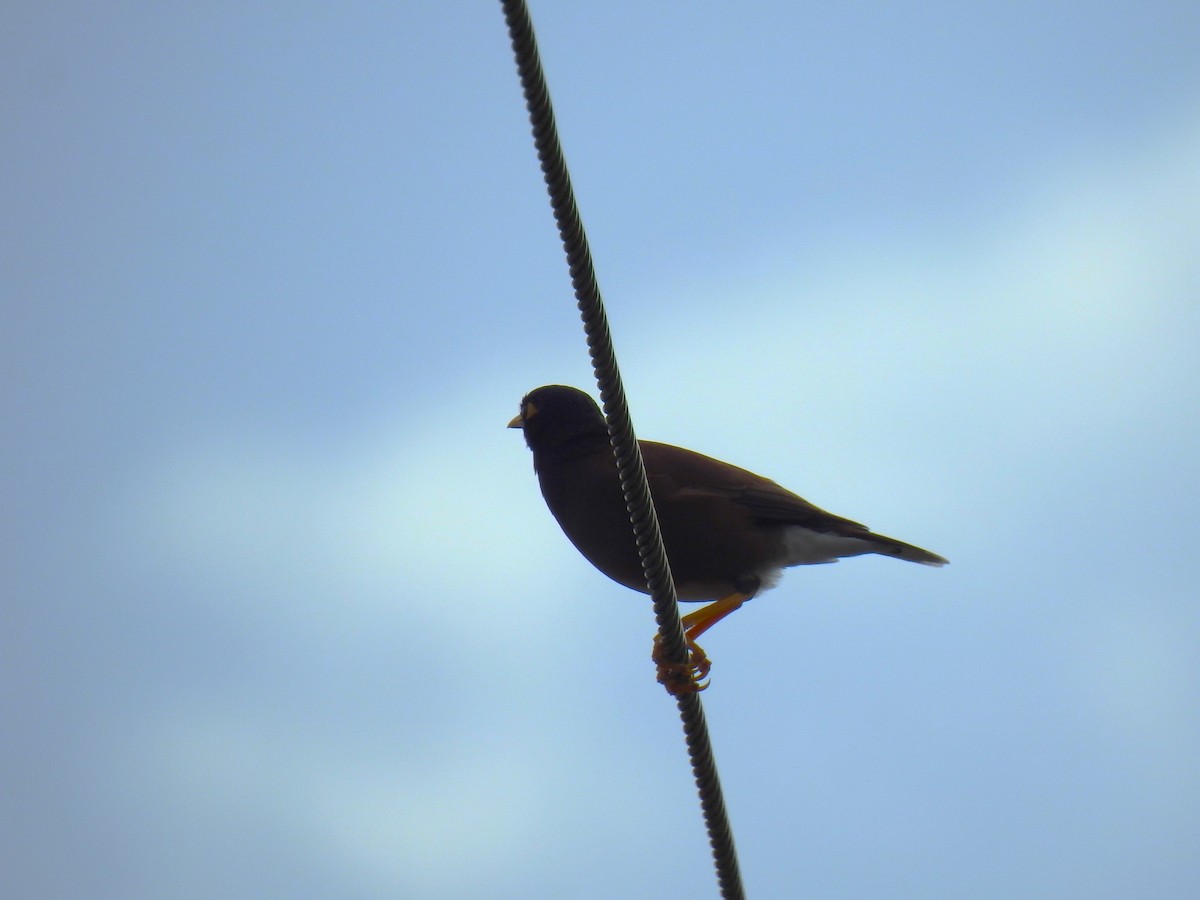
{"x": 887, "y": 546}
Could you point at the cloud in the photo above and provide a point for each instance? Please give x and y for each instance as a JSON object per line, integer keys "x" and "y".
{"x": 434, "y": 518}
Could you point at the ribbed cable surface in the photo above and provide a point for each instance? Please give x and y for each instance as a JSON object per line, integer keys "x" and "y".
{"x": 625, "y": 446}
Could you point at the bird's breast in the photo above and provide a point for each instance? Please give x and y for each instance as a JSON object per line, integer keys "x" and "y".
{"x": 713, "y": 546}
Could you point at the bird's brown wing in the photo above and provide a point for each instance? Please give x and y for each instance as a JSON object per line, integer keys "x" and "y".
{"x": 775, "y": 504}
{"x": 676, "y": 473}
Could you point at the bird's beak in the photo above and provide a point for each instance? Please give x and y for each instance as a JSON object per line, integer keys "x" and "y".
{"x": 528, "y": 411}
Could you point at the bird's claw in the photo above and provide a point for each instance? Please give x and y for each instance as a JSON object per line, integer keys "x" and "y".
{"x": 681, "y": 678}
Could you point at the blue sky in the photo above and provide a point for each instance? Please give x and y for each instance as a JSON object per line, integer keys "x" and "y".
{"x": 284, "y": 614}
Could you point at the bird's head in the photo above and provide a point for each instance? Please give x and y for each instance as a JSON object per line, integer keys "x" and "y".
{"x": 560, "y": 419}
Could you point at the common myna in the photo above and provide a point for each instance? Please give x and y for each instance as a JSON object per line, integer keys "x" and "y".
{"x": 728, "y": 533}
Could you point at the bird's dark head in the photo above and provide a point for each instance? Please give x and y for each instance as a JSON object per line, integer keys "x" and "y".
{"x": 560, "y": 421}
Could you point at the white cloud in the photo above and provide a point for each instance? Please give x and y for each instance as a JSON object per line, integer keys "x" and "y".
{"x": 442, "y": 517}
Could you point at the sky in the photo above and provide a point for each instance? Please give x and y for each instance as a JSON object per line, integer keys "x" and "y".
{"x": 284, "y": 615}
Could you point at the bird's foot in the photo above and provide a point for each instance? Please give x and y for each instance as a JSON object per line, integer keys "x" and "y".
{"x": 688, "y": 677}
{"x": 681, "y": 678}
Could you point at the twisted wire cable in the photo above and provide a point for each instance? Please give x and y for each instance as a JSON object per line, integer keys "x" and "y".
{"x": 626, "y": 451}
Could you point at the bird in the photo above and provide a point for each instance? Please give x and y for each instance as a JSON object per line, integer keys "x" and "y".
{"x": 728, "y": 532}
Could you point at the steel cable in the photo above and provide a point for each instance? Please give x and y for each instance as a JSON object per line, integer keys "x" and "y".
{"x": 626, "y": 451}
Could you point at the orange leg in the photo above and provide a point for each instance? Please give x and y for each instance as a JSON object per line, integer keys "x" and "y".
{"x": 688, "y": 678}
{"x": 698, "y": 622}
